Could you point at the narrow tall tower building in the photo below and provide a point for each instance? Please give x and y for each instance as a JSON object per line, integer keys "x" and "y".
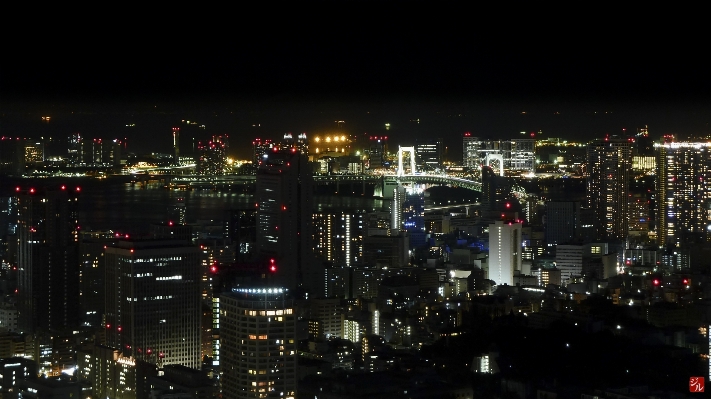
{"x": 48, "y": 262}
{"x": 609, "y": 163}
{"x": 176, "y": 145}
{"x": 284, "y": 213}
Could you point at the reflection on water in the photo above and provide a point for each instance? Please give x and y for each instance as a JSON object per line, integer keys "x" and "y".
{"x": 122, "y": 207}
{"x": 113, "y": 204}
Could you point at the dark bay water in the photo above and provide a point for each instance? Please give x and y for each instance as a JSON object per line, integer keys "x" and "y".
{"x": 117, "y": 205}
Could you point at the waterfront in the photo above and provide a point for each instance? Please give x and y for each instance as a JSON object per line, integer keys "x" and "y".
{"x": 115, "y": 204}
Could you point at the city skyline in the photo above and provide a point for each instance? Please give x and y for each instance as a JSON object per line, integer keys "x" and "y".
{"x": 413, "y": 222}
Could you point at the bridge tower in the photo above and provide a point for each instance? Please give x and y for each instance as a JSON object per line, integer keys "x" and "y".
{"x": 496, "y": 157}
{"x": 400, "y": 169}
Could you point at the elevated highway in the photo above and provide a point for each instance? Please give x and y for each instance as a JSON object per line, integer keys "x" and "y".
{"x": 190, "y": 182}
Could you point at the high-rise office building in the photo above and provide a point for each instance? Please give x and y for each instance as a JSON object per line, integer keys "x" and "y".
{"x": 562, "y": 222}
{"x": 91, "y": 274}
{"x": 495, "y": 189}
{"x": 258, "y": 343}
{"x": 522, "y": 156}
{"x": 609, "y": 163}
{"x": 153, "y": 301}
{"x": 75, "y": 150}
{"x": 301, "y": 142}
{"x": 48, "y": 264}
{"x": 516, "y": 155}
{"x": 284, "y": 213}
{"x": 470, "y": 146}
{"x": 12, "y": 156}
{"x": 260, "y": 149}
{"x": 569, "y": 260}
{"x": 429, "y": 154}
{"x": 241, "y": 229}
{"x": 684, "y": 193}
{"x": 377, "y": 152}
{"x": 177, "y": 212}
{"x": 504, "y": 251}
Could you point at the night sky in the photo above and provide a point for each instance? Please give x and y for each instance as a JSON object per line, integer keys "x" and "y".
{"x": 453, "y": 69}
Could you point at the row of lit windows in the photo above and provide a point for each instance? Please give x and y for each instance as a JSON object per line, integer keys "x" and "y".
{"x": 268, "y": 312}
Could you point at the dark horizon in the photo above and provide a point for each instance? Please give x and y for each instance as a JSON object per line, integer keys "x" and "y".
{"x": 368, "y": 71}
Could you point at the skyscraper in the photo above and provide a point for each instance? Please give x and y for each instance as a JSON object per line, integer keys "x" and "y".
{"x": 258, "y": 343}
{"x": 212, "y": 156}
{"x": 48, "y": 263}
{"x": 241, "y": 229}
{"x": 609, "y": 163}
{"x": 413, "y": 216}
{"x": 470, "y": 146}
{"x": 283, "y": 195}
{"x": 430, "y": 154}
{"x": 176, "y": 146}
{"x": 684, "y": 192}
{"x": 338, "y": 237}
{"x": 153, "y": 301}
{"x": 399, "y": 195}
{"x": 377, "y": 152}
{"x": 75, "y": 150}
{"x": 562, "y": 222}
{"x": 504, "y": 251}
{"x": 260, "y": 149}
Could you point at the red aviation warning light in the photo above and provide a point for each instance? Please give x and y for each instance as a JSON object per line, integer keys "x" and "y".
{"x": 272, "y": 265}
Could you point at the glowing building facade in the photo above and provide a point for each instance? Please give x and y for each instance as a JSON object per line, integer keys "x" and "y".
{"x": 514, "y": 155}
{"x": 683, "y": 192}
{"x": 505, "y": 243}
{"x": 609, "y": 163}
{"x": 258, "y": 344}
{"x": 330, "y": 145}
